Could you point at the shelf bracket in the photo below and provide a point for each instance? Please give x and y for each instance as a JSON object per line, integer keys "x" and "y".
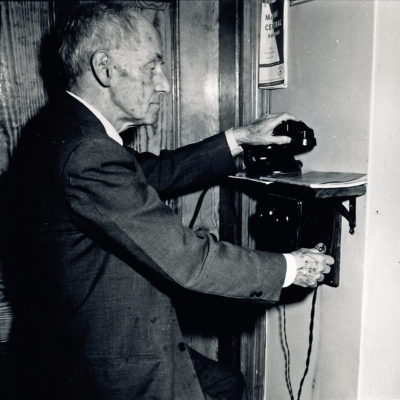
{"x": 349, "y": 214}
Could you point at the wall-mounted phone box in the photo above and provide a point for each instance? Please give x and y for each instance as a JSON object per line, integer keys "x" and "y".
{"x": 292, "y": 213}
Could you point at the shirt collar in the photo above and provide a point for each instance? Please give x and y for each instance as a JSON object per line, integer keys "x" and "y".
{"x": 110, "y": 130}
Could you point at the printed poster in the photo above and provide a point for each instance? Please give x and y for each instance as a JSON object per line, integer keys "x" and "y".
{"x": 273, "y": 45}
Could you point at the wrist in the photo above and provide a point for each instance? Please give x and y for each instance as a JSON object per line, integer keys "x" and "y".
{"x": 240, "y": 134}
{"x": 232, "y": 143}
{"x": 291, "y": 269}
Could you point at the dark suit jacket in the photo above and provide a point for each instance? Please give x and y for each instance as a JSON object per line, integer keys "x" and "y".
{"x": 103, "y": 255}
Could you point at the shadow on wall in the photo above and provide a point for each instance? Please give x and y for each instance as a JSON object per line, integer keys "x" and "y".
{"x": 6, "y": 314}
{"x": 54, "y": 83}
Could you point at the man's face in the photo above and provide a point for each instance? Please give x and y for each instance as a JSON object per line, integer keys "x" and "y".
{"x": 138, "y": 79}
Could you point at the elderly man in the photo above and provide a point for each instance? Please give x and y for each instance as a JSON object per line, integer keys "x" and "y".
{"x": 104, "y": 254}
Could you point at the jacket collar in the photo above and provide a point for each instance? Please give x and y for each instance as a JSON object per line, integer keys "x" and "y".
{"x": 70, "y": 108}
{"x": 109, "y": 128}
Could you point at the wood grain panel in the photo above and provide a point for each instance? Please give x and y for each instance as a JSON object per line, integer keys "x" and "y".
{"x": 254, "y": 103}
{"x": 199, "y": 92}
{"x": 22, "y": 93}
{"x": 22, "y": 26}
{"x": 229, "y": 208}
{"x": 199, "y": 101}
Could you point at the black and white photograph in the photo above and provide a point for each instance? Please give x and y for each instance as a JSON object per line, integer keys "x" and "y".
{"x": 199, "y": 200}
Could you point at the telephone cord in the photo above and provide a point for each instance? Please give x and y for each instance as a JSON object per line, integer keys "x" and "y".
{"x": 285, "y": 346}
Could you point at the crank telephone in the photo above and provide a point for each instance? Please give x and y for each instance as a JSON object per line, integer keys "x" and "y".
{"x": 285, "y": 221}
{"x": 279, "y": 159}
{"x": 294, "y": 211}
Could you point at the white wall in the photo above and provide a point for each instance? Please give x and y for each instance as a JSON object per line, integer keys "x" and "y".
{"x": 380, "y": 344}
{"x": 344, "y": 82}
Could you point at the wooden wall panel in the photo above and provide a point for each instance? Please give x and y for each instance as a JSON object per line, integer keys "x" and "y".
{"x": 22, "y": 93}
{"x": 199, "y": 109}
{"x": 230, "y": 200}
{"x": 255, "y": 102}
{"x": 22, "y": 26}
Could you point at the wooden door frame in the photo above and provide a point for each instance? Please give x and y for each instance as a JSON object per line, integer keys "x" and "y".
{"x": 241, "y": 102}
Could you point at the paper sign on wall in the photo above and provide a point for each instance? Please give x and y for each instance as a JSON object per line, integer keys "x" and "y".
{"x": 273, "y": 47}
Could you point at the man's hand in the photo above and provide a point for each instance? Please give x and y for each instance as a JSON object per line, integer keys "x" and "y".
{"x": 259, "y": 132}
{"x": 311, "y": 267}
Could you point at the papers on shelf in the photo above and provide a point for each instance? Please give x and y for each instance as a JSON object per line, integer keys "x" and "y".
{"x": 314, "y": 179}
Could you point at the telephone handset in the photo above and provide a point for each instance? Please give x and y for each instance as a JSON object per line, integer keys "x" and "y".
{"x": 261, "y": 160}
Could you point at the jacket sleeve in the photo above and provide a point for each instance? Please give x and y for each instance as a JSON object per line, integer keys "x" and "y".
{"x": 188, "y": 168}
{"x": 110, "y": 201}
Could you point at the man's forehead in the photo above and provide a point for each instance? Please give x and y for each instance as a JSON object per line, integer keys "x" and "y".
{"x": 143, "y": 45}
{"x": 149, "y": 43}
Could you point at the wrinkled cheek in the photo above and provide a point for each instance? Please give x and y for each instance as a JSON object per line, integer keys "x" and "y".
{"x": 132, "y": 100}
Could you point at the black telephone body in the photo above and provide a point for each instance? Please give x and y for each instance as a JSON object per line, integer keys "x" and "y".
{"x": 262, "y": 160}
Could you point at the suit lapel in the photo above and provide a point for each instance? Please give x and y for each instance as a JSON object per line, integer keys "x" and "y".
{"x": 74, "y": 110}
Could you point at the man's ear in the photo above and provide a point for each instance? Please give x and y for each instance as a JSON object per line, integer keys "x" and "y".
{"x": 101, "y": 67}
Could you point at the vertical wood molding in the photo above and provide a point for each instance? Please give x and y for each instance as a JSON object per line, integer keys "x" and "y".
{"x": 198, "y": 91}
{"x": 175, "y": 74}
{"x": 253, "y": 103}
{"x": 228, "y": 103}
{"x": 175, "y": 89}
{"x": 229, "y": 229}
{"x": 198, "y": 119}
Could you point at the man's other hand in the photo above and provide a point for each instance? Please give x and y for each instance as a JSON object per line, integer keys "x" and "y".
{"x": 259, "y": 132}
{"x": 311, "y": 267}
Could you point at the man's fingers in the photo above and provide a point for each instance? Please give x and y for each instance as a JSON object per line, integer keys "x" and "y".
{"x": 312, "y": 265}
{"x": 283, "y": 117}
{"x": 327, "y": 269}
{"x": 321, "y": 258}
{"x": 313, "y": 250}
{"x": 274, "y": 120}
{"x": 281, "y": 139}
{"x": 330, "y": 260}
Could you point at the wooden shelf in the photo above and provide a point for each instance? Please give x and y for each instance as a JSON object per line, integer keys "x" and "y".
{"x": 294, "y": 188}
{"x": 290, "y": 189}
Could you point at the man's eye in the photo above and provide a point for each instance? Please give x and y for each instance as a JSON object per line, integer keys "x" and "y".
{"x": 153, "y": 65}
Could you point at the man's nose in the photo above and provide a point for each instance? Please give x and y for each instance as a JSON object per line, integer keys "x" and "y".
{"x": 162, "y": 84}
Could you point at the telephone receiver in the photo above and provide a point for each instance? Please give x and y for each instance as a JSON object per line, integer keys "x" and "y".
{"x": 261, "y": 160}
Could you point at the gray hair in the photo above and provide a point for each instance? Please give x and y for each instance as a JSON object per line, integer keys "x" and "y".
{"x": 96, "y": 26}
